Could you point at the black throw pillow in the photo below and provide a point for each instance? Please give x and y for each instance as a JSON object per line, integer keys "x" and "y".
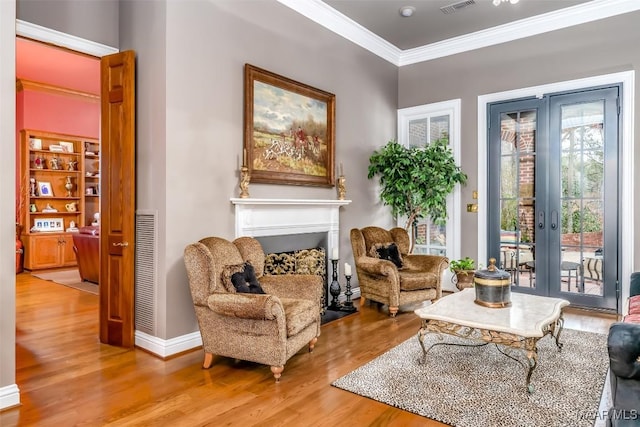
{"x": 251, "y": 279}
{"x": 245, "y": 281}
{"x": 390, "y": 252}
{"x": 239, "y": 283}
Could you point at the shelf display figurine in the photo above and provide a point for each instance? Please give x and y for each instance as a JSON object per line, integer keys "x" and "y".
{"x": 49, "y": 209}
{"x": 55, "y": 163}
{"x": 32, "y": 187}
{"x": 69, "y": 186}
{"x": 39, "y": 162}
{"x": 72, "y": 165}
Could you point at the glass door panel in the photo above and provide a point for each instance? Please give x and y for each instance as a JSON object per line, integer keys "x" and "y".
{"x": 581, "y": 195}
{"x": 517, "y": 199}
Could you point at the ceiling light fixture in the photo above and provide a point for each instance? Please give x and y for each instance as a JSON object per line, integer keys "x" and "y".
{"x": 498, "y": 2}
{"x": 407, "y": 11}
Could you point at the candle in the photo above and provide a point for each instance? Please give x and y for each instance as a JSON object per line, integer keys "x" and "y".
{"x": 334, "y": 254}
{"x": 341, "y": 171}
{"x": 347, "y": 269}
{"x": 244, "y": 157}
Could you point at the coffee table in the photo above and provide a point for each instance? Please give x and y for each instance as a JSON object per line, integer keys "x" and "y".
{"x": 520, "y": 326}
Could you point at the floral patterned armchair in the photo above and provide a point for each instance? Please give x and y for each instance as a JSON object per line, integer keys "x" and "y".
{"x": 418, "y": 279}
{"x": 264, "y": 328}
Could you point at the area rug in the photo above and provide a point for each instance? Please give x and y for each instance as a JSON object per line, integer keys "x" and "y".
{"x": 479, "y": 386}
{"x": 70, "y": 278}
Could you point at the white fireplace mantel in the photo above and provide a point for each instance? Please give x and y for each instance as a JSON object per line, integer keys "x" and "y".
{"x": 277, "y": 217}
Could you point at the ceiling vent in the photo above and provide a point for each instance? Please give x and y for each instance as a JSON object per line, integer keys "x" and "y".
{"x": 457, "y": 6}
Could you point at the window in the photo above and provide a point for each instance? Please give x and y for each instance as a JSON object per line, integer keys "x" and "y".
{"x": 419, "y": 126}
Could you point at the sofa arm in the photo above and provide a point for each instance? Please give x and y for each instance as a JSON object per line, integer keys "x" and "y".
{"x": 623, "y": 344}
{"x": 247, "y": 306}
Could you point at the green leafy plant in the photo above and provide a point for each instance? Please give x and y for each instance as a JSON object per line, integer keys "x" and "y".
{"x": 465, "y": 264}
{"x": 415, "y": 181}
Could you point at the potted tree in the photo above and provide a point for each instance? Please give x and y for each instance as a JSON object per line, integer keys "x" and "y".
{"x": 415, "y": 181}
{"x": 463, "y": 271}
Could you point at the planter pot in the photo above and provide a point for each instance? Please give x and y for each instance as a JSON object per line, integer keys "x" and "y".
{"x": 463, "y": 279}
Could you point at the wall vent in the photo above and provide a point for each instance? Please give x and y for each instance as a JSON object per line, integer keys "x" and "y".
{"x": 457, "y": 6}
{"x": 146, "y": 271}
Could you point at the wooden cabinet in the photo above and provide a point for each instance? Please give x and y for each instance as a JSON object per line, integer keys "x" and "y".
{"x": 48, "y": 250}
{"x": 56, "y": 173}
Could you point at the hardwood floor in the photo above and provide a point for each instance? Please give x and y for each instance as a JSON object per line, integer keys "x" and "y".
{"x": 66, "y": 377}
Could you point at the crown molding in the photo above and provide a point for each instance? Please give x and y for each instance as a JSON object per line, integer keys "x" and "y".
{"x": 22, "y": 84}
{"x": 57, "y": 38}
{"x": 323, "y": 14}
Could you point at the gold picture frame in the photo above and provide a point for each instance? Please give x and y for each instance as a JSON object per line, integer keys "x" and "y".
{"x": 289, "y": 130}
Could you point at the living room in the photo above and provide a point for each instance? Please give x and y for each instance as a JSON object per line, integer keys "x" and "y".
{"x": 189, "y": 131}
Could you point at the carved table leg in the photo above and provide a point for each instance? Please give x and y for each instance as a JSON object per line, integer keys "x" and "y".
{"x": 557, "y": 330}
{"x": 532, "y": 356}
{"x": 421, "y": 333}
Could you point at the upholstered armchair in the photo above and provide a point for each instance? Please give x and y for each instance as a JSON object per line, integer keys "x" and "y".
{"x": 419, "y": 278}
{"x": 86, "y": 245}
{"x": 264, "y": 328}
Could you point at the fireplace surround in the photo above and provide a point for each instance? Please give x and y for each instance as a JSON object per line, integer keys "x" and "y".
{"x": 289, "y": 218}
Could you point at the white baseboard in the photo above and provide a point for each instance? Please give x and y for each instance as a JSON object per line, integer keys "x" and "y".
{"x": 170, "y": 347}
{"x": 9, "y": 396}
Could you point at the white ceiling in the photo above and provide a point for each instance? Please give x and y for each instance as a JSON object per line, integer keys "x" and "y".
{"x": 429, "y": 24}
{"x": 377, "y": 26}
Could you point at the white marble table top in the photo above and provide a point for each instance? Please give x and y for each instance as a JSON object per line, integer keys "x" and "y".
{"x": 527, "y": 316}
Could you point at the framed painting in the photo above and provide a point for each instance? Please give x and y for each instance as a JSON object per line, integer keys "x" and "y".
{"x": 288, "y": 130}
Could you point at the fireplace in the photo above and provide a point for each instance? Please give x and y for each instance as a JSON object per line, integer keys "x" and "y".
{"x": 283, "y": 224}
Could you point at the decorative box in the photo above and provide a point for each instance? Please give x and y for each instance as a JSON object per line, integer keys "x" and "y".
{"x": 493, "y": 286}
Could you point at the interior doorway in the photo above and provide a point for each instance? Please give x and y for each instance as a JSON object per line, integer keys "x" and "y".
{"x": 58, "y": 92}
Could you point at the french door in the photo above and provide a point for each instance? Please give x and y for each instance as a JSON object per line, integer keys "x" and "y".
{"x": 553, "y": 194}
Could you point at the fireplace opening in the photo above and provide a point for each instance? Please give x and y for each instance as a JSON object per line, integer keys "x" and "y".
{"x": 295, "y": 242}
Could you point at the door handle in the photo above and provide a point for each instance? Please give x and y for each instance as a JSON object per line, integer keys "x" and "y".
{"x": 123, "y": 244}
{"x": 554, "y": 220}
{"x": 541, "y": 219}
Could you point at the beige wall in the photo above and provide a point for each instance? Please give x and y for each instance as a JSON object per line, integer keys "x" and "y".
{"x": 597, "y": 48}
{"x": 190, "y": 59}
{"x": 95, "y": 20}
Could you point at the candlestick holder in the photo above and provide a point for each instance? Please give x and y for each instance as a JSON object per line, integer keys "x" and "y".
{"x": 342, "y": 187}
{"x": 334, "y": 288}
{"x": 348, "y": 304}
{"x": 245, "y": 177}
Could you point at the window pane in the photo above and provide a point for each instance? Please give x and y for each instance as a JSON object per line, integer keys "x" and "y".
{"x": 439, "y": 128}
{"x": 418, "y": 132}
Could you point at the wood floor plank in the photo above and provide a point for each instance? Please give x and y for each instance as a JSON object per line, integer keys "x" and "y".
{"x": 66, "y": 377}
